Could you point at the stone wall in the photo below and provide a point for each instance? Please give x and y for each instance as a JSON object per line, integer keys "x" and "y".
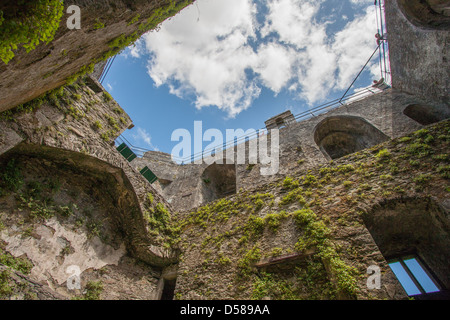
{"x": 314, "y": 234}
{"x": 419, "y": 55}
{"x": 67, "y": 223}
{"x": 73, "y": 131}
{"x": 299, "y": 149}
{"x": 106, "y": 27}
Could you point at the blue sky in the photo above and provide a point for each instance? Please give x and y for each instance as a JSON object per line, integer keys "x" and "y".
{"x": 236, "y": 63}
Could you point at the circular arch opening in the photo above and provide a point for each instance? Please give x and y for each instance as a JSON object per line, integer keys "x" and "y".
{"x": 432, "y": 14}
{"x": 339, "y": 136}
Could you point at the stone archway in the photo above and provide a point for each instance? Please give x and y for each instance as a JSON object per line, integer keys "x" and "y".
{"x": 219, "y": 181}
{"x": 426, "y": 115}
{"x": 432, "y": 14}
{"x": 338, "y": 136}
{"x": 125, "y": 207}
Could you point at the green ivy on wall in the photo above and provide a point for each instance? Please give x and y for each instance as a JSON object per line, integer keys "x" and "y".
{"x": 28, "y": 23}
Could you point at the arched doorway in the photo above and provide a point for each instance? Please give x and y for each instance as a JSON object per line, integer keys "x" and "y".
{"x": 339, "y": 136}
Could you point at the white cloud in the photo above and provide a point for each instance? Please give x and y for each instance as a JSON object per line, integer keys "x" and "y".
{"x": 206, "y": 54}
{"x": 354, "y": 45}
{"x": 142, "y": 136}
{"x": 275, "y": 65}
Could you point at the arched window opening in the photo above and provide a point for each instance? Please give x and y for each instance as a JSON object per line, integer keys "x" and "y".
{"x": 426, "y": 115}
{"x": 431, "y": 14}
{"x": 413, "y": 236}
{"x": 219, "y": 181}
{"x": 339, "y": 136}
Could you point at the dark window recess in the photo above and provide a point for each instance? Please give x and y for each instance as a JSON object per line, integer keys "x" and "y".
{"x": 94, "y": 85}
{"x": 426, "y": 115}
{"x": 149, "y": 175}
{"x": 169, "y": 289}
{"x": 126, "y": 152}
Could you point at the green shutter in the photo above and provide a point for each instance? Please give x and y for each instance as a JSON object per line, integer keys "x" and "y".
{"x": 126, "y": 152}
{"x": 149, "y": 175}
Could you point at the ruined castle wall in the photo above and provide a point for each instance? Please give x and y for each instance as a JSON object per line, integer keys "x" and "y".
{"x": 419, "y": 54}
{"x": 266, "y": 243}
{"x": 74, "y": 133}
{"x": 299, "y": 150}
{"x": 63, "y": 222}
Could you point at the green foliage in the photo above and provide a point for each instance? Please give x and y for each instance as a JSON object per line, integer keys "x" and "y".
{"x": 98, "y": 24}
{"x": 294, "y": 195}
{"x": 11, "y": 178}
{"x": 422, "y": 179}
{"x": 345, "y": 168}
{"x": 134, "y": 20}
{"x": 383, "y": 154}
{"x": 418, "y": 149}
{"x": 118, "y": 110}
{"x": 316, "y": 236}
{"x": 258, "y": 200}
{"x": 19, "y": 264}
{"x": 421, "y": 133}
{"x": 268, "y": 285}
{"x": 27, "y": 24}
{"x": 65, "y": 211}
{"x": 290, "y": 183}
{"x": 162, "y": 13}
{"x": 160, "y": 223}
{"x": 273, "y": 220}
{"x": 347, "y": 184}
{"x": 107, "y": 96}
{"x": 150, "y": 198}
{"x": 250, "y": 167}
{"x": 113, "y": 122}
{"x": 255, "y": 226}
{"x": 92, "y": 291}
{"x": 309, "y": 180}
{"x": 98, "y": 125}
{"x": 405, "y": 139}
{"x": 245, "y": 264}
{"x": 5, "y": 288}
{"x": 441, "y": 157}
{"x": 222, "y": 260}
{"x": 444, "y": 171}
{"x": 39, "y": 210}
{"x": 414, "y": 163}
{"x": 94, "y": 229}
{"x": 75, "y": 112}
